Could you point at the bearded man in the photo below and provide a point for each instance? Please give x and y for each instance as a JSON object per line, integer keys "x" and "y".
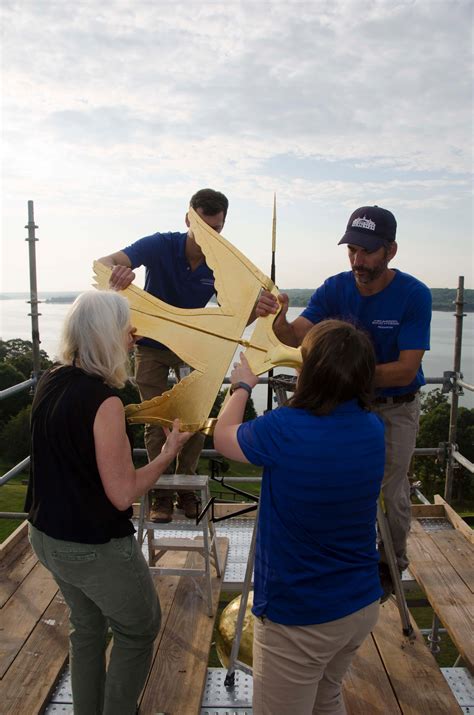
{"x": 395, "y": 309}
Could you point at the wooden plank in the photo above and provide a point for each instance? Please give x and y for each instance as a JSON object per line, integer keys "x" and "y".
{"x": 447, "y": 593}
{"x": 427, "y": 510}
{"x": 11, "y": 541}
{"x": 21, "y": 614}
{"x": 232, "y": 507}
{"x": 366, "y": 687}
{"x": 177, "y": 677}
{"x": 459, "y": 552}
{"x": 14, "y": 568}
{"x": 30, "y": 680}
{"x": 414, "y": 674}
{"x": 457, "y": 521}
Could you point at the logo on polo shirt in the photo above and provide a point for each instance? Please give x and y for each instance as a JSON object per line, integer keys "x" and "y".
{"x": 364, "y": 223}
{"x": 385, "y": 324}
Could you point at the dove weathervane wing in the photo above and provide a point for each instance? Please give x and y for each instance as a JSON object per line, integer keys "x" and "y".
{"x": 205, "y": 338}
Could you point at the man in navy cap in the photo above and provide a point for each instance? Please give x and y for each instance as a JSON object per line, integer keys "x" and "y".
{"x": 395, "y": 309}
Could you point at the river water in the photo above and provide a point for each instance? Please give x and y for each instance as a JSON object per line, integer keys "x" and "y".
{"x": 16, "y": 323}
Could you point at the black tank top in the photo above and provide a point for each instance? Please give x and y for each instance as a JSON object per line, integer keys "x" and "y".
{"x": 66, "y": 499}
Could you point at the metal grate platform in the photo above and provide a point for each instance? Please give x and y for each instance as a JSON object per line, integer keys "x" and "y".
{"x": 239, "y": 533}
{"x": 217, "y": 696}
{"x": 219, "y": 700}
{"x": 461, "y": 683}
{"x": 61, "y": 699}
{"x": 433, "y": 523}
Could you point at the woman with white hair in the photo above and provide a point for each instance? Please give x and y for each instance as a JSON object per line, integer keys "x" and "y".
{"x": 82, "y": 487}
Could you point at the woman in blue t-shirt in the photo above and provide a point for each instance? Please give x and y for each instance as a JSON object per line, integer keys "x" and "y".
{"x": 316, "y": 585}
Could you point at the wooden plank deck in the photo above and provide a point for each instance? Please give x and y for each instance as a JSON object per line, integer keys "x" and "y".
{"x": 396, "y": 675}
{"x": 34, "y": 626}
{"x": 391, "y": 675}
{"x": 443, "y": 565}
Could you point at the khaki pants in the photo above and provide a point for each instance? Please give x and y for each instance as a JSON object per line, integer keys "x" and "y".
{"x": 152, "y": 368}
{"x": 298, "y": 670}
{"x": 401, "y": 429}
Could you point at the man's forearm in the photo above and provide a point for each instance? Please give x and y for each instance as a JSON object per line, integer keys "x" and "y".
{"x": 285, "y": 332}
{"x": 393, "y": 374}
{"x": 107, "y": 261}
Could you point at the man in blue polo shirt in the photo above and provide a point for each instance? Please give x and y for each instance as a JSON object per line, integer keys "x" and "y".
{"x": 176, "y": 272}
{"x": 395, "y": 309}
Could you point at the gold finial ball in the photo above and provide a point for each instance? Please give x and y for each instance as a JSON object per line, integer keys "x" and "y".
{"x": 226, "y": 632}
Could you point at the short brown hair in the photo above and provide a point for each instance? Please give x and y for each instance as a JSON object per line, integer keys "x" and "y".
{"x": 210, "y": 201}
{"x": 338, "y": 365}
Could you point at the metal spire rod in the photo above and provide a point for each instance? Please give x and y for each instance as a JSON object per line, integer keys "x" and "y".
{"x": 272, "y": 276}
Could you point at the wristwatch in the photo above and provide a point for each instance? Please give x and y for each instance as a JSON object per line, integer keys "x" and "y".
{"x": 236, "y": 385}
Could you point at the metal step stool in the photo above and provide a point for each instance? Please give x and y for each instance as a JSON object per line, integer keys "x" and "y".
{"x": 205, "y": 547}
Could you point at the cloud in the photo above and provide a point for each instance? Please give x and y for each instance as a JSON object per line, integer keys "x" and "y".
{"x": 118, "y": 106}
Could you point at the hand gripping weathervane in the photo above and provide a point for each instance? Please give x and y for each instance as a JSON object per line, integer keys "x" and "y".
{"x": 205, "y": 338}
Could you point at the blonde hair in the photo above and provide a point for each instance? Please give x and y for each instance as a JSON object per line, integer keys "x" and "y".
{"x": 94, "y": 334}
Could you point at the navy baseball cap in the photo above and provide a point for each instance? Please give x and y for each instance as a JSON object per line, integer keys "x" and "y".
{"x": 370, "y": 227}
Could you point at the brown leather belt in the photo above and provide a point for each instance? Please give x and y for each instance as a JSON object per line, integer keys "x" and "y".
{"x": 396, "y": 399}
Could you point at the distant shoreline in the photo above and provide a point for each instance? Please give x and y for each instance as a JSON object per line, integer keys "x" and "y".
{"x": 443, "y": 298}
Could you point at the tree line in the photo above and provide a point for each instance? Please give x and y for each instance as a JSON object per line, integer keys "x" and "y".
{"x": 16, "y": 366}
{"x": 443, "y": 298}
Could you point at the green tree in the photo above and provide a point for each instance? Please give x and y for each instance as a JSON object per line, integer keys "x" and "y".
{"x": 249, "y": 414}
{"x": 15, "y": 440}
{"x": 9, "y": 406}
{"x": 434, "y": 429}
{"x": 19, "y": 354}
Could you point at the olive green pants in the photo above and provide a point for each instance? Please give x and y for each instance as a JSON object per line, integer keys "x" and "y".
{"x": 104, "y": 585}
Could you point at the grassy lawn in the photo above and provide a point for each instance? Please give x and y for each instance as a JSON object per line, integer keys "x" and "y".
{"x": 236, "y": 469}
{"x": 12, "y": 498}
{"x": 423, "y": 617}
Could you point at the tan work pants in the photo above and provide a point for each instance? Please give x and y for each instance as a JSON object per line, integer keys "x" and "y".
{"x": 401, "y": 429}
{"x": 152, "y": 368}
{"x": 298, "y": 670}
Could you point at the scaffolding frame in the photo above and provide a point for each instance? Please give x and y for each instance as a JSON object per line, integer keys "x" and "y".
{"x": 452, "y": 382}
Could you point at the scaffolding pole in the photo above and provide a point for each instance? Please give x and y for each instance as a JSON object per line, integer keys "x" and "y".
{"x": 453, "y": 416}
{"x": 35, "y": 338}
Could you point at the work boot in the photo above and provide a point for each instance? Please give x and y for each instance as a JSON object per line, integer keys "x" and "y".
{"x": 162, "y": 510}
{"x": 189, "y": 503}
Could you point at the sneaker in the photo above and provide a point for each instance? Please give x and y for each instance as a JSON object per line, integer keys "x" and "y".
{"x": 189, "y": 503}
{"x": 162, "y": 510}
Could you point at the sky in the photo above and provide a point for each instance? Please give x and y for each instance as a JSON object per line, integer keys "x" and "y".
{"x": 113, "y": 114}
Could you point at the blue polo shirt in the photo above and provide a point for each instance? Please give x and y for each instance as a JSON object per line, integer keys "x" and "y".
{"x": 397, "y": 318}
{"x": 316, "y": 558}
{"x": 168, "y": 274}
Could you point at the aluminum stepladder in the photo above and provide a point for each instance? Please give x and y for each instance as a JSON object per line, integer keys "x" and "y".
{"x": 157, "y": 546}
{"x": 282, "y": 384}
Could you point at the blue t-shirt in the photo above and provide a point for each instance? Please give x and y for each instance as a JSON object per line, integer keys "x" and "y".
{"x": 316, "y": 558}
{"x": 397, "y": 318}
{"x": 168, "y": 274}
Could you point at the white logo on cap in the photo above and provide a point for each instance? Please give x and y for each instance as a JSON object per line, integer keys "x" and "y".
{"x": 364, "y": 223}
